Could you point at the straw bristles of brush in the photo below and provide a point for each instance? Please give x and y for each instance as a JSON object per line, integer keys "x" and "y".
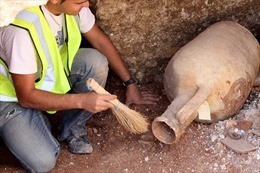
{"x": 130, "y": 119}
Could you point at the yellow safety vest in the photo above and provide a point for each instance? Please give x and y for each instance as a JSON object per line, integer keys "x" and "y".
{"x": 56, "y": 64}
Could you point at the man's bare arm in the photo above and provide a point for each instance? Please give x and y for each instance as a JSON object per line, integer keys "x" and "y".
{"x": 30, "y": 97}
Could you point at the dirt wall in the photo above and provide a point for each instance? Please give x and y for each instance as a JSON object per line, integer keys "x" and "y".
{"x": 148, "y": 32}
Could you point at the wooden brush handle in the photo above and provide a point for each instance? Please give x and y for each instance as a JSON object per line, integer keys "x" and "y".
{"x": 100, "y": 90}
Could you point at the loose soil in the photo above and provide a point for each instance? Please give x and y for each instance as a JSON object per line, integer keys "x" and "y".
{"x": 117, "y": 151}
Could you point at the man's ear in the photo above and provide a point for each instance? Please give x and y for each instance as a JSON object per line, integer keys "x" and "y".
{"x": 55, "y": 1}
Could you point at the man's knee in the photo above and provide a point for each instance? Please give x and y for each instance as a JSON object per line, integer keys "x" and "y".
{"x": 91, "y": 60}
{"x": 45, "y": 163}
{"x": 98, "y": 60}
{"x": 99, "y": 67}
{"x": 88, "y": 63}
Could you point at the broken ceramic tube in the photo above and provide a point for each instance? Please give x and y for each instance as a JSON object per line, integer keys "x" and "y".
{"x": 208, "y": 79}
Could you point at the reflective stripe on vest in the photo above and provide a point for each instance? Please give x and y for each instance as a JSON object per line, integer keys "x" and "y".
{"x": 30, "y": 20}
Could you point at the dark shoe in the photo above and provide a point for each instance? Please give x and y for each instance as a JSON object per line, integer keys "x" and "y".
{"x": 80, "y": 145}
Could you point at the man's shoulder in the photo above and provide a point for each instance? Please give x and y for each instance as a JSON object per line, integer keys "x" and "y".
{"x": 12, "y": 28}
{"x": 11, "y": 31}
{"x": 85, "y": 11}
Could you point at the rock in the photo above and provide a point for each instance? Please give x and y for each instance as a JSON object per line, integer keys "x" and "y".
{"x": 240, "y": 146}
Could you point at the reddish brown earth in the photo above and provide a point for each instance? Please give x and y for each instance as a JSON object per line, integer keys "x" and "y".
{"x": 116, "y": 150}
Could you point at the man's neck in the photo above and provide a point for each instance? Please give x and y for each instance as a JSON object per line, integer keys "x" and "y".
{"x": 52, "y": 8}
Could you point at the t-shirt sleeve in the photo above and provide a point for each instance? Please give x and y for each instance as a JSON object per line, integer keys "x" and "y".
{"x": 87, "y": 20}
{"x": 20, "y": 52}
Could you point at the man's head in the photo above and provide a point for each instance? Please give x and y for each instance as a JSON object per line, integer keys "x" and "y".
{"x": 71, "y": 7}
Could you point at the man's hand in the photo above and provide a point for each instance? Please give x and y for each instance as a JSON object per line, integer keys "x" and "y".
{"x": 134, "y": 96}
{"x": 94, "y": 102}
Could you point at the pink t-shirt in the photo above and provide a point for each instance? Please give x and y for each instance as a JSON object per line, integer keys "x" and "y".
{"x": 16, "y": 46}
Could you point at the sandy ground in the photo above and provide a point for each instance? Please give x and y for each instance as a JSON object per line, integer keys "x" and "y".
{"x": 116, "y": 150}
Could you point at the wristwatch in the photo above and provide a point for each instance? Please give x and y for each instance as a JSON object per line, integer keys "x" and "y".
{"x": 130, "y": 81}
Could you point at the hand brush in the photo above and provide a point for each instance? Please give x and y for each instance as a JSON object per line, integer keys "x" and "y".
{"x": 130, "y": 119}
